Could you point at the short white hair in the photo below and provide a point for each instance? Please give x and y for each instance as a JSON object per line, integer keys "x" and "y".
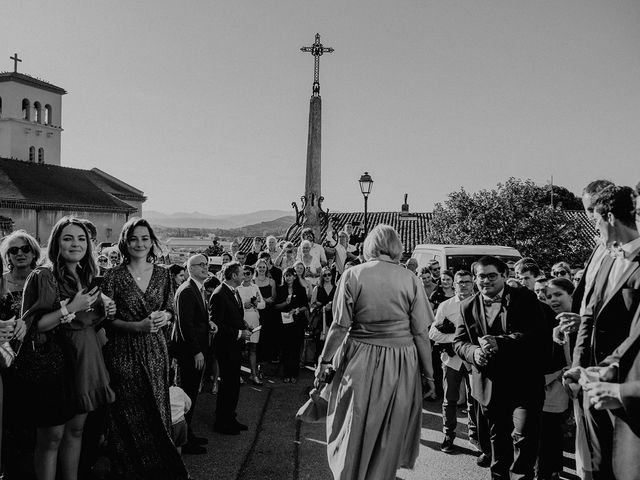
{"x": 383, "y": 240}
{"x": 305, "y": 243}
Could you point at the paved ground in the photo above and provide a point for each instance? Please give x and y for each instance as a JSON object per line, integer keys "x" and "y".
{"x": 277, "y": 447}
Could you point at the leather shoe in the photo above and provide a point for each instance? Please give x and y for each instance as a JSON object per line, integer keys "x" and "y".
{"x": 226, "y": 429}
{"x": 483, "y": 461}
{"x": 193, "y": 449}
{"x": 241, "y": 426}
{"x": 198, "y": 440}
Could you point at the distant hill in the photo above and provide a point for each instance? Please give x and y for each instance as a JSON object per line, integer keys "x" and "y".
{"x": 275, "y": 227}
{"x": 203, "y": 220}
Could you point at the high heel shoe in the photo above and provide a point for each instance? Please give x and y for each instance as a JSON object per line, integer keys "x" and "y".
{"x": 256, "y": 381}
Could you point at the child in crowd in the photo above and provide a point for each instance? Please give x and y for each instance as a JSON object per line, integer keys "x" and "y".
{"x": 180, "y": 405}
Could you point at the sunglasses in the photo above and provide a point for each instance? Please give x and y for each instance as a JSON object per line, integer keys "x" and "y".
{"x": 559, "y": 273}
{"x": 246, "y": 274}
{"x": 326, "y": 275}
{"x": 23, "y": 249}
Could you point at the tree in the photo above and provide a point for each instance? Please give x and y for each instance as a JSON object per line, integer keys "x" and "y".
{"x": 514, "y": 214}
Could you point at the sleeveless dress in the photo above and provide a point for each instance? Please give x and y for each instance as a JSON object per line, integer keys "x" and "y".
{"x": 268, "y": 347}
{"x": 251, "y": 316}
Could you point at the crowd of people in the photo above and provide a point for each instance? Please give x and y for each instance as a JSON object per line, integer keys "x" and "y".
{"x": 108, "y": 352}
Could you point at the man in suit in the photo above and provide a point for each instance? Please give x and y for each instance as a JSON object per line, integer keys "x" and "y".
{"x": 618, "y": 390}
{"x": 501, "y": 337}
{"x": 192, "y": 340}
{"x": 226, "y": 311}
{"x": 607, "y": 317}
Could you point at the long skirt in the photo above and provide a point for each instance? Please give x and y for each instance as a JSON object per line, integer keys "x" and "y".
{"x": 374, "y": 413}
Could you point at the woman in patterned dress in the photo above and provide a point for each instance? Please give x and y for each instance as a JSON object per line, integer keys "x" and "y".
{"x": 20, "y": 252}
{"x": 139, "y": 421}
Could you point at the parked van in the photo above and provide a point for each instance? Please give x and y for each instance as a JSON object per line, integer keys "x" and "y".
{"x": 461, "y": 257}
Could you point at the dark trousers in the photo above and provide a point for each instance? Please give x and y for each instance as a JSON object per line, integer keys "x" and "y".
{"x": 514, "y": 429}
{"x": 229, "y": 358}
{"x": 292, "y": 340}
{"x": 550, "y": 448}
{"x": 599, "y": 425}
{"x": 452, "y": 379}
{"x": 190, "y": 379}
{"x": 482, "y": 428}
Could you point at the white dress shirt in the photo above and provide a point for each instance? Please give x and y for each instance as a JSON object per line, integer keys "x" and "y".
{"x": 628, "y": 252}
{"x": 449, "y": 309}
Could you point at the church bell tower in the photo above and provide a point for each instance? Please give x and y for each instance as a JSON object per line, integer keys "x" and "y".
{"x": 30, "y": 117}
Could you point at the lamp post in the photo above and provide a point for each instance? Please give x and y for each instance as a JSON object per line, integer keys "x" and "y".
{"x": 366, "y": 182}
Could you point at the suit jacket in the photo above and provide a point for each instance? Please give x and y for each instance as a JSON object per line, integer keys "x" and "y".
{"x": 579, "y": 292}
{"x": 516, "y": 370}
{"x": 626, "y": 433}
{"x": 606, "y": 323}
{"x": 193, "y": 320}
{"x": 228, "y": 315}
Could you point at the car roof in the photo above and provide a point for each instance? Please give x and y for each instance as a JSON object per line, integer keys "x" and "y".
{"x": 469, "y": 249}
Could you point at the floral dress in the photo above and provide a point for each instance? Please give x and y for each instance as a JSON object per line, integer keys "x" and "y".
{"x": 139, "y": 421}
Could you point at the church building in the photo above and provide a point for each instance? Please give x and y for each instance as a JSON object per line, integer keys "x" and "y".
{"x": 35, "y": 189}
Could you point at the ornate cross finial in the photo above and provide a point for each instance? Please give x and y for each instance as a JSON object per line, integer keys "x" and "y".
{"x": 15, "y": 62}
{"x": 317, "y": 49}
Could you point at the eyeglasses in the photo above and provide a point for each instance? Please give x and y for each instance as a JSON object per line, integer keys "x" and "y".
{"x": 559, "y": 273}
{"x": 464, "y": 282}
{"x": 488, "y": 276}
{"x": 328, "y": 275}
{"x": 23, "y": 249}
{"x": 102, "y": 260}
{"x": 201, "y": 265}
{"x": 246, "y": 274}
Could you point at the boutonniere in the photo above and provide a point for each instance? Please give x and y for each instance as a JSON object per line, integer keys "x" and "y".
{"x": 507, "y": 299}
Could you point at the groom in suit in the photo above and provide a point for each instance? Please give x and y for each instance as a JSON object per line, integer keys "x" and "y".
{"x": 228, "y": 315}
{"x": 193, "y": 340}
{"x": 607, "y": 319}
{"x": 501, "y": 336}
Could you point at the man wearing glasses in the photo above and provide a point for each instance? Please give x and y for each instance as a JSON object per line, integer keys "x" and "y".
{"x": 454, "y": 370}
{"x": 500, "y": 336}
{"x": 193, "y": 328}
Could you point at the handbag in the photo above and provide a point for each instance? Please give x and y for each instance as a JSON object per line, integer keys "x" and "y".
{"x": 315, "y": 409}
{"x": 7, "y": 355}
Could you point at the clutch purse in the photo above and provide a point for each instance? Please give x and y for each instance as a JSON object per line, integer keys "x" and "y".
{"x": 7, "y": 355}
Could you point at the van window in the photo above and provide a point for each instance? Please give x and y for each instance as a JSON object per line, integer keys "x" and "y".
{"x": 464, "y": 262}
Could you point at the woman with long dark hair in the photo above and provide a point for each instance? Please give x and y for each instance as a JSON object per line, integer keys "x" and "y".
{"x": 444, "y": 291}
{"x": 139, "y": 421}
{"x": 321, "y": 304}
{"x": 62, "y": 311}
{"x": 293, "y": 305}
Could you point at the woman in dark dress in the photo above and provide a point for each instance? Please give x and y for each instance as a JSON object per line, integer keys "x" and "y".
{"x": 444, "y": 291}
{"x": 293, "y": 306}
{"x": 62, "y": 314}
{"x": 321, "y": 303}
{"x": 20, "y": 252}
{"x": 271, "y": 325}
{"x": 139, "y": 421}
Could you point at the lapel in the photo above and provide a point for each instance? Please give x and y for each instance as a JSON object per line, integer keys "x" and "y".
{"x": 198, "y": 294}
{"x": 232, "y": 298}
{"x": 478, "y": 313}
{"x": 626, "y": 273}
{"x": 504, "y": 308}
{"x": 600, "y": 281}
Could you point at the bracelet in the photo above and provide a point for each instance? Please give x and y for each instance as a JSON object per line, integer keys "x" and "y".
{"x": 325, "y": 362}
{"x": 63, "y": 309}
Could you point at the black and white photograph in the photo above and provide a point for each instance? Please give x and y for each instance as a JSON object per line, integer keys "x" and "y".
{"x": 381, "y": 240}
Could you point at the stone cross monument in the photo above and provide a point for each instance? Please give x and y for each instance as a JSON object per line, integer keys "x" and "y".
{"x": 312, "y": 200}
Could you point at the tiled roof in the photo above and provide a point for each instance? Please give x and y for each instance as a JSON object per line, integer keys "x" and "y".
{"x": 31, "y": 81}
{"x": 412, "y": 227}
{"x": 52, "y": 187}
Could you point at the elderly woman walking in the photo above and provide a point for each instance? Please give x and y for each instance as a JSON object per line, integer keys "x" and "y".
{"x": 378, "y": 343}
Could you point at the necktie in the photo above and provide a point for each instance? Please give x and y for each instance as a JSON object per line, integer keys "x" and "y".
{"x": 490, "y": 301}
{"x": 203, "y": 292}
{"x": 238, "y": 299}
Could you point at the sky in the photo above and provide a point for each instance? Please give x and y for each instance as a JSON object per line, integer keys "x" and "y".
{"x": 204, "y": 105}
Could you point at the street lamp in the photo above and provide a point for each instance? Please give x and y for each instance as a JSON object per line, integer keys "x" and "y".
{"x": 366, "y": 182}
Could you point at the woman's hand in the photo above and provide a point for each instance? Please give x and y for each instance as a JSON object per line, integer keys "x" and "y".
{"x": 110, "y": 308}
{"x": 428, "y": 388}
{"x": 322, "y": 370}
{"x": 20, "y": 329}
{"x": 568, "y": 322}
{"x": 147, "y": 325}
{"x": 7, "y": 329}
{"x": 83, "y": 301}
{"x": 160, "y": 318}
